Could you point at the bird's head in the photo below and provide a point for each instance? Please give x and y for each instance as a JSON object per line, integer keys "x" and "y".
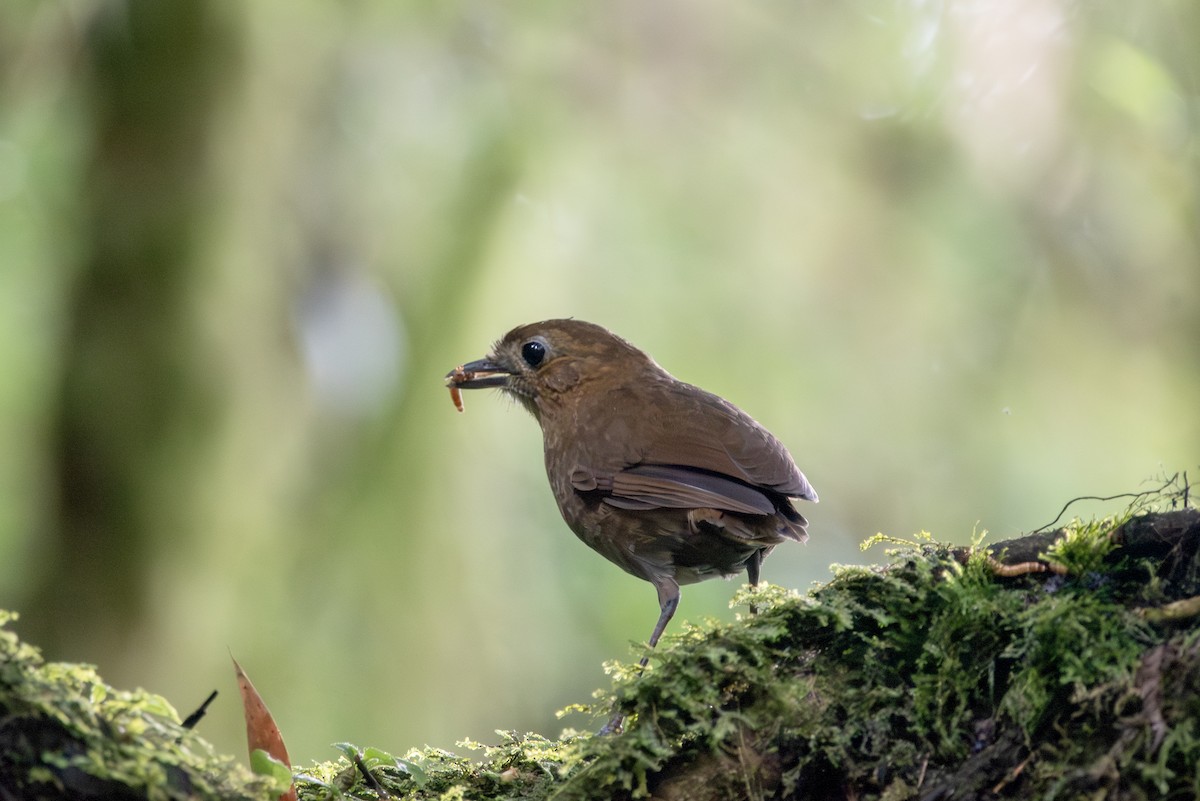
{"x": 544, "y": 365}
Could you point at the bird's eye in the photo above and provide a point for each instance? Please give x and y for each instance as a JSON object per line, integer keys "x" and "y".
{"x": 533, "y": 352}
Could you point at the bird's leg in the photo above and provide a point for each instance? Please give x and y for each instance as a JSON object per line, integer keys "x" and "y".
{"x": 668, "y": 601}
{"x": 752, "y": 569}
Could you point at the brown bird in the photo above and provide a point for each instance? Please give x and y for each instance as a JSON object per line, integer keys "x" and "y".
{"x": 670, "y": 483}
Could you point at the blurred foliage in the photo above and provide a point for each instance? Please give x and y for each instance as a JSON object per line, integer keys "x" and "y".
{"x": 947, "y": 252}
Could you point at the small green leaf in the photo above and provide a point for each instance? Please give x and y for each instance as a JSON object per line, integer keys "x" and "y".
{"x": 349, "y": 750}
{"x": 414, "y": 770}
{"x": 264, "y": 764}
{"x": 157, "y": 705}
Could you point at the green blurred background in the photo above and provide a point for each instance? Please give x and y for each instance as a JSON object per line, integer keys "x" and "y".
{"x": 947, "y": 251}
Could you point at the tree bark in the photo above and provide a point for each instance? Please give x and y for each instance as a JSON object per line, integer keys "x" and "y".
{"x": 131, "y": 397}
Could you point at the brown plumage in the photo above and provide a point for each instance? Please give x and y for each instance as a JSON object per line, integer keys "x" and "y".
{"x": 669, "y": 482}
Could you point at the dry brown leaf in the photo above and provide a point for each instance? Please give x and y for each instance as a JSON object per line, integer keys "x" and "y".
{"x": 261, "y": 730}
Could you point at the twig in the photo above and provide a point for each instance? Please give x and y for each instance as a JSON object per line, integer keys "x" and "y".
{"x": 1173, "y": 479}
{"x": 191, "y": 720}
{"x": 368, "y": 777}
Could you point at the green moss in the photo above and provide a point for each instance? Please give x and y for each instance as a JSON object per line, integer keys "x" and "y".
{"x": 935, "y": 675}
{"x": 64, "y": 733}
{"x": 517, "y": 766}
{"x": 1084, "y": 546}
{"x": 932, "y": 671}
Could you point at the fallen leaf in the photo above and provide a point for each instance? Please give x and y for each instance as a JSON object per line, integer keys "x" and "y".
{"x": 261, "y": 731}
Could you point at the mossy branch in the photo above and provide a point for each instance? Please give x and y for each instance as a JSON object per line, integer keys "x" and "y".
{"x": 941, "y": 675}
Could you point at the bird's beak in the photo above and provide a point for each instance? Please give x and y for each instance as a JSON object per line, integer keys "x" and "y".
{"x": 479, "y": 374}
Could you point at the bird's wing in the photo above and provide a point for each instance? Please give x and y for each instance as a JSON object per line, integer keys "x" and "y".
{"x": 706, "y": 454}
{"x": 651, "y": 486}
{"x": 710, "y": 434}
